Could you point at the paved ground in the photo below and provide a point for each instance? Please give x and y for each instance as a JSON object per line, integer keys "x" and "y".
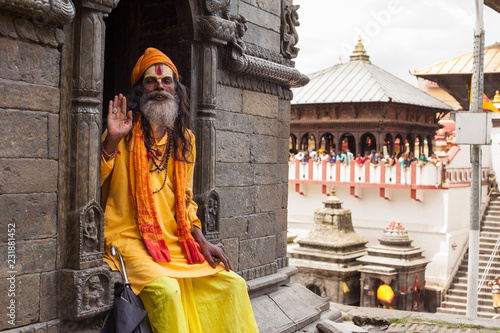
{"x": 382, "y": 320}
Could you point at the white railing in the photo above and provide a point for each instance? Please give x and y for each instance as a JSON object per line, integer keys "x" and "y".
{"x": 429, "y": 175}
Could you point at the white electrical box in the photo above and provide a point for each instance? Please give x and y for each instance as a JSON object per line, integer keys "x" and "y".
{"x": 473, "y": 128}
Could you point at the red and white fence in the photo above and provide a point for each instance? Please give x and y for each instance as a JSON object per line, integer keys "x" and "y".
{"x": 415, "y": 177}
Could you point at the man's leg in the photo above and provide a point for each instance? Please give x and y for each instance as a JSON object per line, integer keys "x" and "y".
{"x": 169, "y": 310}
{"x": 223, "y": 303}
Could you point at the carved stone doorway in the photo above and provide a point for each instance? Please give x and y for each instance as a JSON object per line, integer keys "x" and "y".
{"x": 135, "y": 25}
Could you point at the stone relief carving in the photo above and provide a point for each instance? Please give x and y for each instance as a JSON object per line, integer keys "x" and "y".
{"x": 85, "y": 293}
{"x": 58, "y": 12}
{"x": 93, "y": 292}
{"x": 24, "y": 29}
{"x": 261, "y": 52}
{"x": 216, "y": 29}
{"x": 289, "y": 35}
{"x": 257, "y": 272}
{"x": 216, "y": 7}
{"x": 266, "y": 70}
{"x": 222, "y": 28}
{"x": 209, "y": 206}
{"x": 91, "y": 219}
{"x": 237, "y": 81}
{"x": 90, "y": 232}
{"x": 212, "y": 212}
{"x": 85, "y": 225}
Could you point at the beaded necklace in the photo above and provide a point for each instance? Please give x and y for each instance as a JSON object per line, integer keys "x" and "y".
{"x": 160, "y": 163}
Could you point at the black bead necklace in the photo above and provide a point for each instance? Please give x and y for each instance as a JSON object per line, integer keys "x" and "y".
{"x": 161, "y": 163}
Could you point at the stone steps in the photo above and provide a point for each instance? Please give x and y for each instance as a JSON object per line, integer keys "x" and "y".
{"x": 460, "y": 300}
{"x": 463, "y": 312}
{"x": 482, "y": 265}
{"x": 463, "y": 293}
{"x": 455, "y": 300}
{"x": 462, "y": 305}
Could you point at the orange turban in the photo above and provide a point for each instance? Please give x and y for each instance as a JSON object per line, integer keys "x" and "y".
{"x": 150, "y": 57}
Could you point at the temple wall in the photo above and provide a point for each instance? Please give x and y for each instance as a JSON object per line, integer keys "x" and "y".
{"x": 251, "y": 175}
{"x": 51, "y": 76}
{"x": 29, "y": 155}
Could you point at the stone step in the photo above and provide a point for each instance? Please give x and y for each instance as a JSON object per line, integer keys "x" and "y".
{"x": 463, "y": 312}
{"x": 461, "y": 284}
{"x": 488, "y": 246}
{"x": 491, "y": 229}
{"x": 482, "y": 263}
{"x": 459, "y": 299}
{"x": 463, "y": 306}
{"x": 490, "y": 224}
{"x": 492, "y": 272}
{"x": 485, "y": 294}
{"x": 494, "y": 222}
{"x": 491, "y": 218}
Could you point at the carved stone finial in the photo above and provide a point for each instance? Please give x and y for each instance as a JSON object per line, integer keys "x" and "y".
{"x": 395, "y": 234}
{"x": 289, "y": 35}
{"x": 359, "y": 53}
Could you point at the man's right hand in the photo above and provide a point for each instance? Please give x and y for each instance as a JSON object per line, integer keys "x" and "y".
{"x": 119, "y": 123}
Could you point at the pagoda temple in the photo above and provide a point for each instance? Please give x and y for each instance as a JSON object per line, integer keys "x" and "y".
{"x": 360, "y": 106}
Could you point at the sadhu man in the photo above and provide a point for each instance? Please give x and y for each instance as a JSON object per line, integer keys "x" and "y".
{"x": 186, "y": 283}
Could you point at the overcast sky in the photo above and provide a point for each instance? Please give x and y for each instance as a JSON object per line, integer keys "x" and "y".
{"x": 398, "y": 35}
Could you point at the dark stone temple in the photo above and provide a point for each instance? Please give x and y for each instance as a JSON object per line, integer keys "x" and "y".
{"x": 61, "y": 61}
{"x": 395, "y": 262}
{"x": 326, "y": 257}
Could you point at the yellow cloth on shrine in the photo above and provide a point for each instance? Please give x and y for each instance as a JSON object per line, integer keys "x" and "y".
{"x": 121, "y": 230}
{"x": 194, "y": 305}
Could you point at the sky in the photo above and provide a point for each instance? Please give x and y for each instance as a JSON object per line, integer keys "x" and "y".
{"x": 398, "y": 35}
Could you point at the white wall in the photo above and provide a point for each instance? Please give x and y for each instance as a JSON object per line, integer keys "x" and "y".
{"x": 434, "y": 224}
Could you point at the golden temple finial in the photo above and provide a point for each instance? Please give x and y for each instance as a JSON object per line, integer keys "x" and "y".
{"x": 496, "y": 99}
{"x": 340, "y": 60}
{"x": 359, "y": 53}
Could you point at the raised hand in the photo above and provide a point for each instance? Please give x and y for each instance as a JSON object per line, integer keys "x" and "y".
{"x": 119, "y": 123}
{"x": 119, "y": 120}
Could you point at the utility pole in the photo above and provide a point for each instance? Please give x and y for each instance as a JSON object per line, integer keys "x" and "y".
{"x": 476, "y": 105}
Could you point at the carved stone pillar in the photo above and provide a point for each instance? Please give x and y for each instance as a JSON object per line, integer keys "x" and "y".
{"x": 215, "y": 31}
{"x": 207, "y": 198}
{"x": 87, "y": 283}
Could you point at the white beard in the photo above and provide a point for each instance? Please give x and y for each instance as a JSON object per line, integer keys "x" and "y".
{"x": 160, "y": 113}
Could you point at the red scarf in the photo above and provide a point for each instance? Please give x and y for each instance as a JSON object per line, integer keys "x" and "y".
{"x": 144, "y": 205}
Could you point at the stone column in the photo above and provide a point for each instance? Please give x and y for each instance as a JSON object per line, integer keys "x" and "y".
{"x": 86, "y": 284}
{"x": 215, "y": 29}
{"x": 207, "y": 197}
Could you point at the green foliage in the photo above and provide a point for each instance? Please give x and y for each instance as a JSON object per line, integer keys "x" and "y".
{"x": 97, "y": 324}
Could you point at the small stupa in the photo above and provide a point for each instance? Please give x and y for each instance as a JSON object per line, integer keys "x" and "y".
{"x": 398, "y": 264}
{"x": 326, "y": 257}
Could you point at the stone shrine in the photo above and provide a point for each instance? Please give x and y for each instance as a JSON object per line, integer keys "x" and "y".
{"x": 326, "y": 257}
{"x": 398, "y": 264}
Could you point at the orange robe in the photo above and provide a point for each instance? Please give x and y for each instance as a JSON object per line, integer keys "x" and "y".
{"x": 121, "y": 229}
